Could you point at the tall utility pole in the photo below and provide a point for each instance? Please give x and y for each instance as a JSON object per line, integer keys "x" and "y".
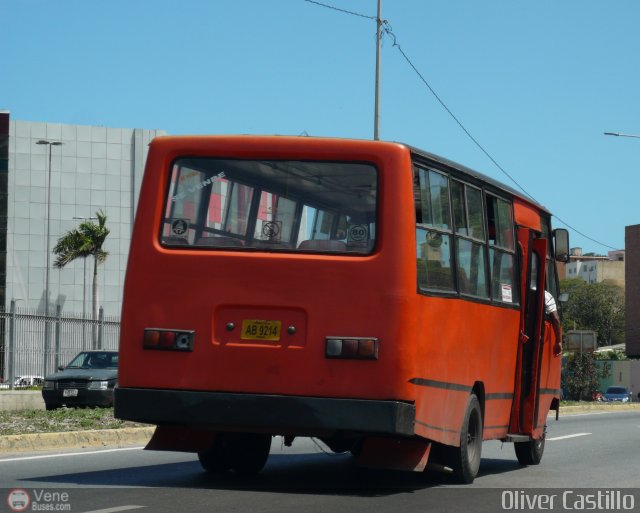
{"x": 376, "y": 115}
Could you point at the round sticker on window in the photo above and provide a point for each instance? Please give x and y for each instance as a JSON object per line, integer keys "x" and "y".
{"x": 179, "y": 226}
{"x": 358, "y": 233}
{"x": 271, "y": 230}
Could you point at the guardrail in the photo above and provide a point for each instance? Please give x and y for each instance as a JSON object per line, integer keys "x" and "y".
{"x": 33, "y": 345}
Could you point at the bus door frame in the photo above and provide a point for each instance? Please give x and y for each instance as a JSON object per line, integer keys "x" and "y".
{"x": 531, "y": 336}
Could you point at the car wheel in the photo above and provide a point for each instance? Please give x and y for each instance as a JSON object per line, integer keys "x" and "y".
{"x": 51, "y": 406}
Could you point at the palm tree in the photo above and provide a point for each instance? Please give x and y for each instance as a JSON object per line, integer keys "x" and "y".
{"x": 85, "y": 241}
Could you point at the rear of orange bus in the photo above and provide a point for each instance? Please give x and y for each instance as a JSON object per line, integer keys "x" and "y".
{"x": 267, "y": 293}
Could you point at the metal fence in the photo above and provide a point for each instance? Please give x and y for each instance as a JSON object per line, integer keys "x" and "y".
{"x": 32, "y": 344}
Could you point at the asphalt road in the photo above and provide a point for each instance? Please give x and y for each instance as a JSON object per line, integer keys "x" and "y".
{"x": 591, "y": 450}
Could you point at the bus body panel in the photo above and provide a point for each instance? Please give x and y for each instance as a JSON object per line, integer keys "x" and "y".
{"x": 526, "y": 214}
{"x": 448, "y": 372}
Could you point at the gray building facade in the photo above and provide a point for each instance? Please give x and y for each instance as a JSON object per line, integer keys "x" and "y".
{"x": 95, "y": 168}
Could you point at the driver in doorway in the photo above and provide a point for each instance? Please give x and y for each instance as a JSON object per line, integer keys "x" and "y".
{"x": 551, "y": 310}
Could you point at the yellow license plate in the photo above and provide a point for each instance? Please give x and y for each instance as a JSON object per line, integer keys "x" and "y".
{"x": 260, "y": 330}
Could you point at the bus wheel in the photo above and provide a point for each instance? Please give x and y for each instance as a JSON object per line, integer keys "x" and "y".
{"x": 214, "y": 459}
{"x": 465, "y": 460}
{"x": 244, "y": 453}
{"x": 247, "y": 453}
{"x": 530, "y": 453}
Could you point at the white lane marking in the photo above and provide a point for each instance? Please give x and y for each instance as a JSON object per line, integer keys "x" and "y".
{"x": 113, "y": 510}
{"x": 567, "y": 436}
{"x": 65, "y": 454}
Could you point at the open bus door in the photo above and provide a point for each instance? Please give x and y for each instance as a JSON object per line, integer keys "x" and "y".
{"x": 524, "y": 418}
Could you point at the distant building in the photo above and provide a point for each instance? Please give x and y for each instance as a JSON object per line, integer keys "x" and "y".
{"x": 596, "y": 269}
{"x": 632, "y": 290}
{"x": 94, "y": 168}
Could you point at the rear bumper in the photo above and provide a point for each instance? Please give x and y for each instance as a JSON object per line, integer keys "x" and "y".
{"x": 277, "y": 414}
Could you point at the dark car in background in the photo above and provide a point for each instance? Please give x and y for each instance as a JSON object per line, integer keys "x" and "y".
{"x": 88, "y": 380}
{"x": 617, "y": 394}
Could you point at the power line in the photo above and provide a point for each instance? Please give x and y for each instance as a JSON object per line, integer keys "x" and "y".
{"x": 342, "y": 10}
{"x": 388, "y": 30}
{"x": 583, "y": 234}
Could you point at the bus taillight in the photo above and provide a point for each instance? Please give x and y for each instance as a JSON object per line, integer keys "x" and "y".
{"x": 168, "y": 340}
{"x": 352, "y": 348}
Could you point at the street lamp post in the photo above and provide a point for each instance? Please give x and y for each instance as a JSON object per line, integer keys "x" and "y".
{"x": 618, "y": 134}
{"x": 629, "y": 318}
{"x": 48, "y": 250}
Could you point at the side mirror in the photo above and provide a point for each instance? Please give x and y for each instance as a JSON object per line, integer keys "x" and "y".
{"x": 561, "y": 244}
{"x": 60, "y": 367}
{"x": 563, "y": 298}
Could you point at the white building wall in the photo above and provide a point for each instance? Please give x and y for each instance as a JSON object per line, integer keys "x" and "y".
{"x": 95, "y": 168}
{"x": 596, "y": 271}
{"x": 572, "y": 269}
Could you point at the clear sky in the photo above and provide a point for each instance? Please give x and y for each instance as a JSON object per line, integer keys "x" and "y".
{"x": 536, "y": 83}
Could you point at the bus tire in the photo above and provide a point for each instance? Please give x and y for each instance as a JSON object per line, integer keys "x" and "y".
{"x": 530, "y": 453}
{"x": 243, "y": 453}
{"x": 214, "y": 459}
{"x": 465, "y": 460}
{"x": 247, "y": 453}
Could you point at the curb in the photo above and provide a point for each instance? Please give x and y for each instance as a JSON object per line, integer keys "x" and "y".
{"x": 597, "y": 407}
{"x": 93, "y": 438}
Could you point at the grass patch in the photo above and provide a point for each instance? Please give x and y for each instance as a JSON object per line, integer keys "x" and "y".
{"x": 20, "y": 389}
{"x": 575, "y": 403}
{"x": 62, "y": 419}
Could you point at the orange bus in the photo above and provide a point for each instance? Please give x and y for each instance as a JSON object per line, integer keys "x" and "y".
{"x": 378, "y": 297}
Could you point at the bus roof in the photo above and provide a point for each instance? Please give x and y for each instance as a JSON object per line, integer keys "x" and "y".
{"x": 476, "y": 175}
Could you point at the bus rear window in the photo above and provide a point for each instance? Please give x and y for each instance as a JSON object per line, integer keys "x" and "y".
{"x": 271, "y": 205}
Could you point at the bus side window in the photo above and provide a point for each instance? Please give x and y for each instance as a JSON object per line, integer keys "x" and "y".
{"x": 433, "y": 230}
{"x": 551, "y": 284}
{"x": 468, "y": 217}
{"x": 502, "y": 254}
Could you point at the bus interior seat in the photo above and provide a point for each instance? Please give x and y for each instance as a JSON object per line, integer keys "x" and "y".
{"x": 171, "y": 240}
{"x": 361, "y": 247}
{"x": 270, "y": 244}
{"x": 323, "y": 245}
{"x": 466, "y": 285}
{"x": 438, "y": 276}
{"x": 219, "y": 241}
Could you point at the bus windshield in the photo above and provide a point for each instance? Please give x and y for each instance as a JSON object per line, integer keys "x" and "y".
{"x": 271, "y": 205}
